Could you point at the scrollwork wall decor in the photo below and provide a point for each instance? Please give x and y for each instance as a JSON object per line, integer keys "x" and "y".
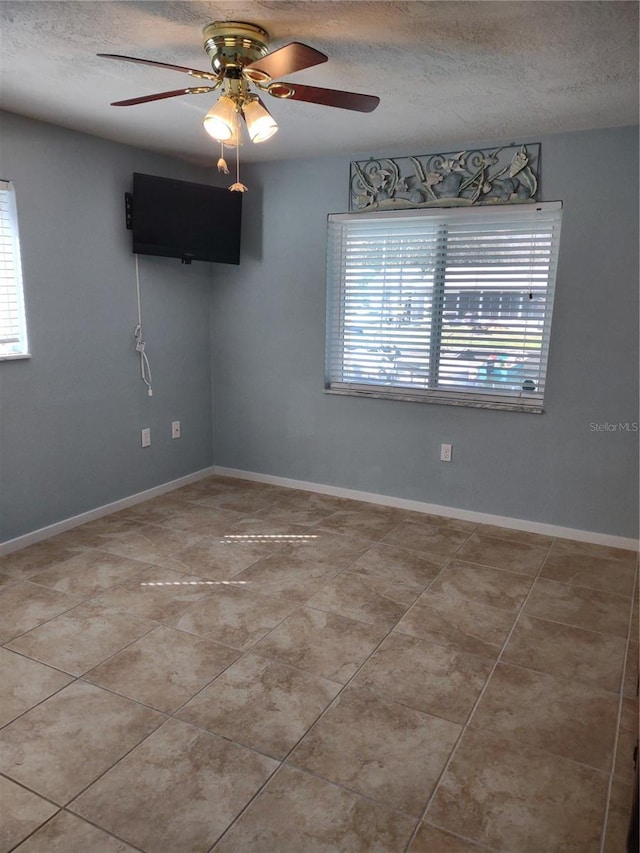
{"x": 478, "y": 176}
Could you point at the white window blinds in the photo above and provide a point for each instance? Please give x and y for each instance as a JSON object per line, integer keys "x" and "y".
{"x": 13, "y": 332}
{"x": 450, "y": 306}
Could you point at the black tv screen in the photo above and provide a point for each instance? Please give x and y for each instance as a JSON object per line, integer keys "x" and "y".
{"x": 180, "y": 219}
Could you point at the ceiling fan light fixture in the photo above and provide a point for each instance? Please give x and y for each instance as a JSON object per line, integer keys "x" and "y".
{"x": 222, "y": 120}
{"x": 260, "y": 123}
{"x": 236, "y": 137}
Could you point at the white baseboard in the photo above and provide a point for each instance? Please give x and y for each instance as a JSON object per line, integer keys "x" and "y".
{"x": 368, "y": 497}
{"x": 436, "y": 509}
{"x": 75, "y": 521}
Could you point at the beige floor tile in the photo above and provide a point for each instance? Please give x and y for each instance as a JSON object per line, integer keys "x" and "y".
{"x": 261, "y": 703}
{"x": 594, "y": 566}
{"x": 67, "y": 833}
{"x": 36, "y": 558}
{"x": 89, "y": 573}
{"x": 63, "y": 744}
{"x": 581, "y": 607}
{"x": 452, "y": 620}
{"x": 380, "y": 749}
{"x": 316, "y": 500}
{"x": 24, "y": 605}
{"x": 600, "y": 552}
{"x": 177, "y": 791}
{"x": 157, "y": 593}
{"x": 631, "y": 671}
{"x": 195, "y": 491}
{"x": 25, "y": 683}
{"x": 427, "y": 537}
{"x": 295, "y": 511}
{"x": 482, "y": 584}
{"x": 242, "y": 500}
{"x": 274, "y": 491}
{"x": 568, "y": 718}
{"x": 296, "y": 812}
{"x": 233, "y": 615}
{"x": 566, "y": 652}
{"x": 365, "y": 598}
{"x": 22, "y": 812}
{"x": 508, "y": 554}
{"x": 430, "y": 839}
{"x": 214, "y": 485}
{"x": 198, "y": 493}
{"x": 629, "y": 714}
{"x": 440, "y": 521}
{"x": 286, "y": 576}
{"x": 624, "y": 766}
{"x": 369, "y": 523}
{"x": 163, "y": 669}
{"x": 156, "y": 510}
{"x": 322, "y": 643}
{"x": 399, "y": 568}
{"x": 151, "y": 543}
{"x": 619, "y": 817}
{"x": 518, "y": 799}
{"x": 221, "y": 559}
{"x": 441, "y": 681}
{"x": 97, "y": 533}
{"x": 334, "y": 550}
{"x": 194, "y": 518}
{"x": 185, "y": 582}
{"x": 515, "y": 535}
{"x": 81, "y": 638}
{"x": 263, "y": 530}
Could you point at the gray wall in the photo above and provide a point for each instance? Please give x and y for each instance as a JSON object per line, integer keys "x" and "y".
{"x": 271, "y": 415}
{"x": 70, "y": 417}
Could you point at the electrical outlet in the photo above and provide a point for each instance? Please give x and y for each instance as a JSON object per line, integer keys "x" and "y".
{"x": 175, "y": 429}
{"x": 146, "y": 437}
{"x": 445, "y": 452}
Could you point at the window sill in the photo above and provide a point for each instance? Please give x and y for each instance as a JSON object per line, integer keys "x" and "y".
{"x": 15, "y": 356}
{"x": 506, "y": 404}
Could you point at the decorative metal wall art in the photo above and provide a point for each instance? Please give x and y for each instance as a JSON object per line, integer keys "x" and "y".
{"x": 478, "y": 176}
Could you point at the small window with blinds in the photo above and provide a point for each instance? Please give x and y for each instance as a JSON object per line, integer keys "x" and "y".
{"x": 13, "y": 329}
{"x": 443, "y": 305}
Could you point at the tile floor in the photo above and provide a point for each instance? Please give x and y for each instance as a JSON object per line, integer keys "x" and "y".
{"x": 240, "y": 667}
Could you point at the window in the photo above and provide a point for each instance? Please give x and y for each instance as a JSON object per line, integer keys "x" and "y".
{"x": 13, "y": 329}
{"x": 446, "y": 306}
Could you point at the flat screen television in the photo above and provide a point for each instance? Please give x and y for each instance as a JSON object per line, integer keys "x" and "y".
{"x": 180, "y": 219}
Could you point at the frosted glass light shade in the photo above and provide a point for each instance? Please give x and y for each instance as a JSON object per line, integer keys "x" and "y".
{"x": 236, "y": 137}
{"x": 260, "y": 123}
{"x": 221, "y": 120}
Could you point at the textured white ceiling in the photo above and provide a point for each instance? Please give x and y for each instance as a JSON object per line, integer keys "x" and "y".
{"x": 446, "y": 72}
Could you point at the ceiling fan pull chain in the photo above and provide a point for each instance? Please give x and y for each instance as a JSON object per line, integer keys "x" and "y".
{"x": 238, "y": 187}
{"x": 222, "y": 163}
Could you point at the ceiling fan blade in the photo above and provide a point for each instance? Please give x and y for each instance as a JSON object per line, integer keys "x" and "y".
{"x": 203, "y": 75}
{"x": 130, "y": 102}
{"x": 292, "y": 57}
{"x": 325, "y": 97}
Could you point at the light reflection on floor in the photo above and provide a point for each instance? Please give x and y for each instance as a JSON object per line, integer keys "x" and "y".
{"x": 192, "y": 583}
{"x": 238, "y": 539}
{"x": 231, "y": 538}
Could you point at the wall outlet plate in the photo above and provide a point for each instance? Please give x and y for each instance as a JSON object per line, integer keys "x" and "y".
{"x": 445, "y": 452}
{"x": 145, "y": 436}
{"x": 175, "y": 429}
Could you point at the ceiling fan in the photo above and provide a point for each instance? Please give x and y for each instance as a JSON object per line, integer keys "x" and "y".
{"x": 240, "y": 60}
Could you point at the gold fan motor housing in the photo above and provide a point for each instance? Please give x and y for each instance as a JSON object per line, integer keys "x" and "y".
{"x": 234, "y": 44}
